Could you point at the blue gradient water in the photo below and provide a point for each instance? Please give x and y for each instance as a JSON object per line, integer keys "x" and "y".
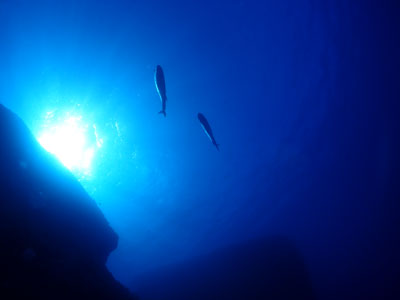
{"x": 300, "y": 96}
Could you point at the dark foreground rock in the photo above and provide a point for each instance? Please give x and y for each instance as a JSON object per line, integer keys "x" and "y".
{"x": 54, "y": 240}
{"x": 269, "y": 268}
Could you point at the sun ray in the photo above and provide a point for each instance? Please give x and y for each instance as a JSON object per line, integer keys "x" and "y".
{"x": 68, "y": 140}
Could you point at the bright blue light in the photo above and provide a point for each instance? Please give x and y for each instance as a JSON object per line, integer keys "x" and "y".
{"x": 68, "y": 140}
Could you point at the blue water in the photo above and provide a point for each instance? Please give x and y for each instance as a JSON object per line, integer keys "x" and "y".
{"x": 302, "y": 97}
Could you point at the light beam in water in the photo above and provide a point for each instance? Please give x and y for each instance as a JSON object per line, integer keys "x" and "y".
{"x": 69, "y": 140}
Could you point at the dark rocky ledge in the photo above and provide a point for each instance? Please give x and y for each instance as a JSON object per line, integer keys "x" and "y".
{"x": 54, "y": 240}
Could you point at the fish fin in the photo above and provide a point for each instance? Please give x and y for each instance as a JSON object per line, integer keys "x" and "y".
{"x": 163, "y": 112}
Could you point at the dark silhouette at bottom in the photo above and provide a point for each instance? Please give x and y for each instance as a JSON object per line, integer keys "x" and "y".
{"x": 270, "y": 268}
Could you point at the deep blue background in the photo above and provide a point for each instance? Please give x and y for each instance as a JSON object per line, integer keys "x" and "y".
{"x": 302, "y": 96}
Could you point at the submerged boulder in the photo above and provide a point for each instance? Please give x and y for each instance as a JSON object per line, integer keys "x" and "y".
{"x": 265, "y": 268}
{"x": 54, "y": 240}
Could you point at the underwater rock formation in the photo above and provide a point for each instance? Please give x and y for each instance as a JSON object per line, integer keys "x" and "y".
{"x": 269, "y": 268}
{"x": 54, "y": 240}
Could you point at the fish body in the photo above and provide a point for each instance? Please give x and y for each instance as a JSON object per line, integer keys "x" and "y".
{"x": 160, "y": 85}
{"x": 207, "y": 129}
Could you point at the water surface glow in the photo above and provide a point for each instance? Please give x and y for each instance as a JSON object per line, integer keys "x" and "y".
{"x": 69, "y": 139}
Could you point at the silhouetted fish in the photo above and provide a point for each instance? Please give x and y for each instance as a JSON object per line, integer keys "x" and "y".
{"x": 207, "y": 128}
{"x": 160, "y": 85}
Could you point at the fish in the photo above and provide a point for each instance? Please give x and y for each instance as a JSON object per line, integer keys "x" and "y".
{"x": 160, "y": 86}
{"x": 207, "y": 129}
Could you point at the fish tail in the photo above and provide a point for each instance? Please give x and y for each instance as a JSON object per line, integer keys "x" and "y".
{"x": 163, "y": 112}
